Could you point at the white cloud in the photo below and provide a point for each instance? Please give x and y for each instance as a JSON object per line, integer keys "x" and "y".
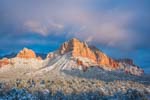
{"x": 43, "y": 28}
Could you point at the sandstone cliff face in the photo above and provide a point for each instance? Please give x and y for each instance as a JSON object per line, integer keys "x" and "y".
{"x": 78, "y": 49}
{"x": 81, "y": 49}
{"x": 103, "y": 59}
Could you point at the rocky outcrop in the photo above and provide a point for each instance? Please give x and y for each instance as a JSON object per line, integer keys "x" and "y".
{"x": 81, "y": 49}
{"x": 4, "y": 61}
{"x": 79, "y": 62}
{"x": 52, "y": 55}
{"x": 26, "y": 53}
{"x": 130, "y": 67}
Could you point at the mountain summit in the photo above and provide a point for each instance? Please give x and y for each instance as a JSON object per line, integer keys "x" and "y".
{"x": 82, "y": 49}
{"x": 80, "y": 55}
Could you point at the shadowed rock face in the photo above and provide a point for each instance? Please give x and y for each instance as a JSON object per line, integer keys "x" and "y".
{"x": 81, "y": 49}
{"x": 127, "y": 61}
{"x": 26, "y": 53}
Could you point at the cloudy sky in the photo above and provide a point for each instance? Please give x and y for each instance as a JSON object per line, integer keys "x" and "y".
{"x": 118, "y": 27}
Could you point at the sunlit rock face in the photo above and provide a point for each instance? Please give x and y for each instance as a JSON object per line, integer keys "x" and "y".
{"x": 26, "y": 53}
{"x": 78, "y": 49}
{"x": 81, "y": 49}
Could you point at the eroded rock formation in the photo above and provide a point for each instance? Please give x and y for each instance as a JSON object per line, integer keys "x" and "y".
{"x": 81, "y": 49}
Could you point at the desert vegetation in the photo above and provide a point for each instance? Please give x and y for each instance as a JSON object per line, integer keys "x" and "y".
{"x": 75, "y": 88}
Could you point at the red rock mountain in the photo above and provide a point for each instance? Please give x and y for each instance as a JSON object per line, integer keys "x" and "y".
{"x": 81, "y": 49}
{"x": 27, "y": 54}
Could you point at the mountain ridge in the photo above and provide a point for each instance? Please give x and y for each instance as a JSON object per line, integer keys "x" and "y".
{"x": 79, "y": 55}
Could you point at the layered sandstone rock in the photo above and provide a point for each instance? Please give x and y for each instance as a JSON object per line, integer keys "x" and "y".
{"x": 81, "y": 49}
